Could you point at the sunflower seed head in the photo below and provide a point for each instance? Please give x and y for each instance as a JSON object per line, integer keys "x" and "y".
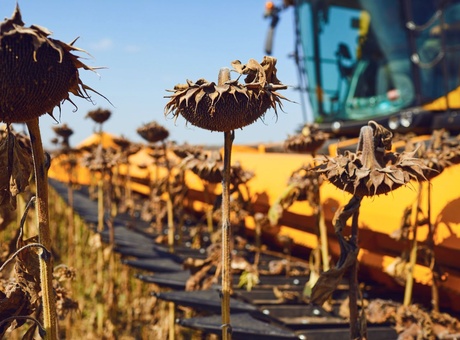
{"x": 371, "y": 170}
{"x": 63, "y": 131}
{"x": 99, "y": 115}
{"x": 230, "y": 105}
{"x": 153, "y": 132}
{"x": 309, "y": 140}
{"x": 38, "y": 72}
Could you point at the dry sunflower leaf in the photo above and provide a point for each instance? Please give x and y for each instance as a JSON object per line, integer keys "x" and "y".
{"x": 15, "y": 301}
{"x": 27, "y": 268}
{"x": 328, "y": 281}
{"x": 16, "y": 160}
{"x": 300, "y": 187}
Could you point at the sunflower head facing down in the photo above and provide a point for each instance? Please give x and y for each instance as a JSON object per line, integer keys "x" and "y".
{"x": 37, "y": 73}
{"x": 231, "y": 105}
{"x": 99, "y": 115}
{"x": 153, "y": 132}
{"x": 309, "y": 140}
{"x": 373, "y": 169}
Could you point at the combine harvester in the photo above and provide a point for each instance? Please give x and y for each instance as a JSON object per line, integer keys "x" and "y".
{"x": 396, "y": 63}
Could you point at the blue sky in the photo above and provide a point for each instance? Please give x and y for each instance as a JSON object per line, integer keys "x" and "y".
{"x": 148, "y": 47}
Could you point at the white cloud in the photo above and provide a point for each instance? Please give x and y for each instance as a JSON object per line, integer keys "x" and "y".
{"x": 104, "y": 44}
{"x": 132, "y": 48}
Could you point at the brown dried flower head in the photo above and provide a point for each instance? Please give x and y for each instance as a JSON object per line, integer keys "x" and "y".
{"x": 304, "y": 180}
{"x": 238, "y": 175}
{"x": 448, "y": 149}
{"x": 153, "y": 132}
{"x": 63, "y": 131}
{"x": 430, "y": 154}
{"x": 310, "y": 139}
{"x": 440, "y": 152}
{"x": 301, "y": 186}
{"x": 101, "y": 159}
{"x": 122, "y": 142}
{"x": 209, "y": 166}
{"x": 185, "y": 150}
{"x": 132, "y": 149}
{"x": 230, "y": 105}
{"x": 99, "y": 115}
{"x": 127, "y": 148}
{"x": 372, "y": 170}
{"x": 454, "y": 146}
{"x": 37, "y": 72}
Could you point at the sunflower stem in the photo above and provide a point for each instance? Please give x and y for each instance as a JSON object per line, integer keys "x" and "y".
{"x": 209, "y": 207}
{"x": 414, "y": 249}
{"x": 434, "y": 273}
{"x": 226, "y": 238}
{"x": 169, "y": 203}
{"x": 357, "y": 331}
{"x": 171, "y": 321}
{"x": 321, "y": 224}
{"x": 224, "y": 76}
{"x": 44, "y": 235}
{"x": 70, "y": 213}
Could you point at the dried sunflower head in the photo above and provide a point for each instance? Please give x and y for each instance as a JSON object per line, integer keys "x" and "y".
{"x": 310, "y": 139}
{"x": 209, "y": 166}
{"x": 372, "y": 170}
{"x": 99, "y": 115}
{"x": 231, "y": 105}
{"x": 451, "y": 150}
{"x": 238, "y": 175}
{"x": 122, "y": 142}
{"x": 439, "y": 153}
{"x": 185, "y": 150}
{"x": 304, "y": 180}
{"x": 301, "y": 186}
{"x": 63, "y": 131}
{"x": 127, "y": 148}
{"x": 153, "y": 132}
{"x": 132, "y": 149}
{"x": 37, "y": 72}
{"x": 101, "y": 159}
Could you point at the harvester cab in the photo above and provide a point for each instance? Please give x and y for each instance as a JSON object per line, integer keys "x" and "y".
{"x": 396, "y": 62}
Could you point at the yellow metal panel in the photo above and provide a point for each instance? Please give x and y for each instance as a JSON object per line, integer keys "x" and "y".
{"x": 440, "y": 104}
